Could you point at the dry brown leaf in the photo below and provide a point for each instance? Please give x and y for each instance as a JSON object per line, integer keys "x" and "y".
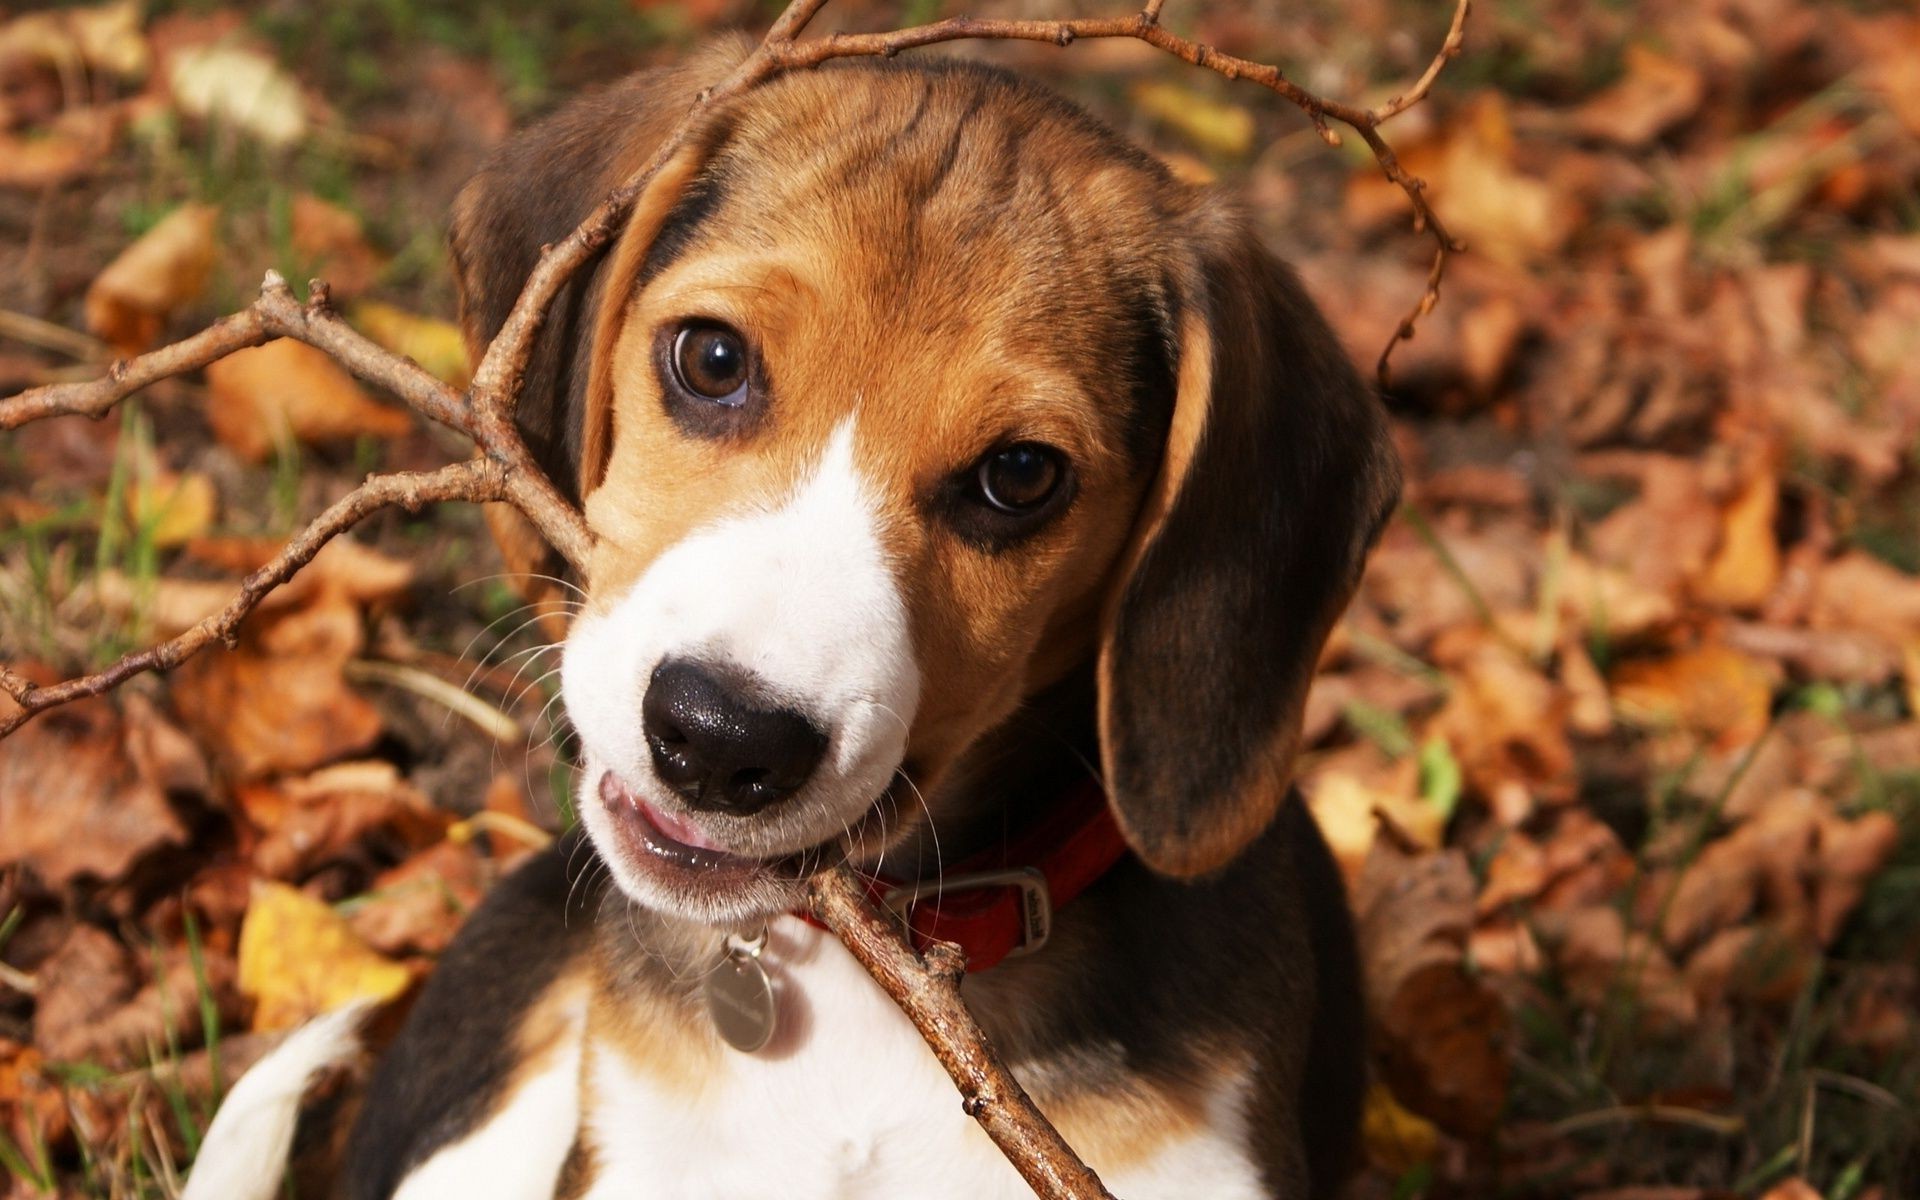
{"x": 1665, "y": 536}
{"x": 1743, "y": 571}
{"x": 1766, "y": 863}
{"x": 1714, "y": 691}
{"x": 102, "y": 37}
{"x": 165, "y": 270}
{"x": 298, "y": 958}
{"x": 1759, "y": 963}
{"x": 1836, "y": 655}
{"x": 1859, "y": 591}
{"x": 163, "y": 1011}
{"x": 267, "y": 712}
{"x": 87, "y": 978}
{"x": 288, "y": 389}
{"x": 1657, "y": 93}
{"x": 1851, "y": 853}
{"x": 73, "y": 799}
{"x": 1504, "y": 947}
{"x": 76, "y": 142}
{"x": 333, "y": 246}
{"x": 1504, "y": 721}
{"x": 1602, "y": 963}
{"x": 1509, "y": 216}
{"x": 324, "y": 816}
{"x": 1891, "y": 44}
{"x": 1439, "y": 1030}
{"x": 416, "y": 907}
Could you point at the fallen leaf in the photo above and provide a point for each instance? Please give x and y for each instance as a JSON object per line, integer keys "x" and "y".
{"x": 1746, "y": 567}
{"x": 298, "y": 959}
{"x": 1504, "y": 719}
{"x": 1509, "y": 215}
{"x": 1756, "y": 963}
{"x": 57, "y": 155}
{"x": 89, "y": 977}
{"x": 74, "y": 801}
{"x": 172, "y": 509}
{"x": 1213, "y": 126}
{"x": 166, "y": 269}
{"x": 265, "y": 714}
{"x": 1713, "y": 690}
{"x": 417, "y": 907}
{"x": 1397, "y": 1140}
{"x": 232, "y": 85}
{"x": 434, "y": 344}
{"x": 101, "y": 37}
{"x": 287, "y": 389}
{"x": 1761, "y": 864}
{"x": 314, "y": 819}
{"x": 1657, "y": 93}
{"x": 1603, "y": 963}
{"x": 1439, "y": 1031}
{"x": 163, "y": 1011}
{"x": 333, "y": 246}
{"x": 1851, "y": 854}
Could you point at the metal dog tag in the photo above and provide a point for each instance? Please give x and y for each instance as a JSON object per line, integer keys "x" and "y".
{"x": 740, "y": 996}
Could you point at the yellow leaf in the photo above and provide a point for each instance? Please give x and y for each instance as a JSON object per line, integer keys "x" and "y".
{"x": 173, "y": 509}
{"x": 1396, "y": 1140}
{"x": 298, "y": 958}
{"x": 435, "y": 344}
{"x": 165, "y": 270}
{"x": 1223, "y": 129}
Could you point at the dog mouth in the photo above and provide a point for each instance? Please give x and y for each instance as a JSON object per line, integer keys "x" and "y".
{"x": 677, "y": 851}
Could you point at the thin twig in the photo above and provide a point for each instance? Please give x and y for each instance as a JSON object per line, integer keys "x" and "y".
{"x": 474, "y": 480}
{"x": 927, "y": 989}
{"x": 274, "y": 314}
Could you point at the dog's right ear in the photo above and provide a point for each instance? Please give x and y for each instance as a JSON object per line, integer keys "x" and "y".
{"x": 532, "y": 192}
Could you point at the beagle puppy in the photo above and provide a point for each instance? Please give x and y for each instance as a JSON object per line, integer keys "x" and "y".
{"x": 973, "y": 499}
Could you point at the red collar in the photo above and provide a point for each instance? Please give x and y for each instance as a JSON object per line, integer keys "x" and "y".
{"x": 1000, "y": 903}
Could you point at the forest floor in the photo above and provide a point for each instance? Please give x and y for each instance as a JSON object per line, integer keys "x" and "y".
{"x": 1619, "y": 745}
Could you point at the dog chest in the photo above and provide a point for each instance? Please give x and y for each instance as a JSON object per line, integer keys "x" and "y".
{"x": 847, "y": 1103}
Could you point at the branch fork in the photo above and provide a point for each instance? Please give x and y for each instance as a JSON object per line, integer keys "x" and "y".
{"x": 926, "y": 987}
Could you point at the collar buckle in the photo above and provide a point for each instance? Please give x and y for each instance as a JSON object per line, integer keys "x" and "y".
{"x": 1035, "y": 901}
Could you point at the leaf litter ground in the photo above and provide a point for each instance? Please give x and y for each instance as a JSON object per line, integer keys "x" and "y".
{"x": 1619, "y": 747}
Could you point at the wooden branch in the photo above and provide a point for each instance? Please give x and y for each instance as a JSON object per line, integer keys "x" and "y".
{"x": 476, "y": 479}
{"x": 928, "y": 991}
{"x": 274, "y": 314}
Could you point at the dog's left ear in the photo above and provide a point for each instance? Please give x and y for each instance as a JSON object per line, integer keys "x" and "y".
{"x": 1276, "y": 478}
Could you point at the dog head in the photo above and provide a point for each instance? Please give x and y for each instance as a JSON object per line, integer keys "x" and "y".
{"x": 904, "y": 393}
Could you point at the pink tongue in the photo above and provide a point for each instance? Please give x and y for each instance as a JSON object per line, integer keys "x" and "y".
{"x": 680, "y": 829}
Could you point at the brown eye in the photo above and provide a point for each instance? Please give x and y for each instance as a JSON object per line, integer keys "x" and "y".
{"x": 710, "y": 361}
{"x": 1020, "y": 478}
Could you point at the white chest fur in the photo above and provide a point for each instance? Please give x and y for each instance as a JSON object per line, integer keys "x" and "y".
{"x": 848, "y": 1103}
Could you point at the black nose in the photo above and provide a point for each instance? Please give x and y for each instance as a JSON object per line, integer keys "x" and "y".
{"x": 717, "y": 748}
